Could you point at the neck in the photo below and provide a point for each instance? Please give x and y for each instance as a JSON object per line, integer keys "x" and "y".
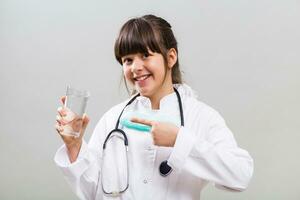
{"x": 155, "y": 100}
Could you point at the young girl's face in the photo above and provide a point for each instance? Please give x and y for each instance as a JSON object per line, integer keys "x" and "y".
{"x": 146, "y": 72}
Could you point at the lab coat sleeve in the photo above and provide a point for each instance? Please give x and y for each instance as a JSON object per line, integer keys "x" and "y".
{"x": 82, "y": 175}
{"x": 211, "y": 153}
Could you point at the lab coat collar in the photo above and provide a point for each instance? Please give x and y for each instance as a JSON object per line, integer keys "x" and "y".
{"x": 170, "y": 99}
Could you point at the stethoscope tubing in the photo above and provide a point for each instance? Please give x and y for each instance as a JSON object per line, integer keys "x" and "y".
{"x": 164, "y": 168}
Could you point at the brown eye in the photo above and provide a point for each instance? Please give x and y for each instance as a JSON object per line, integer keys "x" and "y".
{"x": 127, "y": 61}
{"x": 146, "y": 55}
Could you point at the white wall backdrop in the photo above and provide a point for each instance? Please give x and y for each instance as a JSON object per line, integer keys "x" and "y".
{"x": 241, "y": 56}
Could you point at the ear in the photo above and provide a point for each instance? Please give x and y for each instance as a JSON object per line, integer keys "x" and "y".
{"x": 172, "y": 58}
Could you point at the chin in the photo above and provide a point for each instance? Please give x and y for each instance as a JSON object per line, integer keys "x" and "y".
{"x": 144, "y": 91}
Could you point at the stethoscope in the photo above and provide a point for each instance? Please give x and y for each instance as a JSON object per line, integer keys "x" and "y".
{"x": 164, "y": 168}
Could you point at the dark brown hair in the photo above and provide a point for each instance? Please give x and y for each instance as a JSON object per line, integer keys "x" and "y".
{"x": 139, "y": 34}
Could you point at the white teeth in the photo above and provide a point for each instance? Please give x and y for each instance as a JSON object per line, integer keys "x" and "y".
{"x": 142, "y": 78}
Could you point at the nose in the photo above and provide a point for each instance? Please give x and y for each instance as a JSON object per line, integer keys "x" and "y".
{"x": 137, "y": 65}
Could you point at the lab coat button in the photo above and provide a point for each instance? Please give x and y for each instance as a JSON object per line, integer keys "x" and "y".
{"x": 145, "y": 181}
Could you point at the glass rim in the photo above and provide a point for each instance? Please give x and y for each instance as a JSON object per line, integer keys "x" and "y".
{"x": 76, "y": 92}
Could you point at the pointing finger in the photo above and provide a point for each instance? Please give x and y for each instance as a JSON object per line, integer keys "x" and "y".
{"x": 142, "y": 121}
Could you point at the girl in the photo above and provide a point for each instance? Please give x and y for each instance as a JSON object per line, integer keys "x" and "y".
{"x": 187, "y": 143}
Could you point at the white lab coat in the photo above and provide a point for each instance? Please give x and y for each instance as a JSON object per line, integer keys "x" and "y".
{"x": 205, "y": 150}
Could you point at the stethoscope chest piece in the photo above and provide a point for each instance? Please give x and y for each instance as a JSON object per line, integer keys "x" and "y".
{"x": 164, "y": 168}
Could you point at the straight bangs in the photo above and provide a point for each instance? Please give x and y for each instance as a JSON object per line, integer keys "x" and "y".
{"x": 136, "y": 36}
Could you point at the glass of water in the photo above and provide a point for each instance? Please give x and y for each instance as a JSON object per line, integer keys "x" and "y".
{"x": 75, "y": 105}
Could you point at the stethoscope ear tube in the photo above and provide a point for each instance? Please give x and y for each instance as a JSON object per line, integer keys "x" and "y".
{"x": 116, "y": 130}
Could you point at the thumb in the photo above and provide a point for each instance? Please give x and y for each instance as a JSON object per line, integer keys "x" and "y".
{"x": 63, "y": 99}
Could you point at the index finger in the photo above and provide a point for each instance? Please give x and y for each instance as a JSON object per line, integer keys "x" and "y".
{"x": 142, "y": 121}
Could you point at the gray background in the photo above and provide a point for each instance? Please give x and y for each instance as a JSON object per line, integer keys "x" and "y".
{"x": 241, "y": 56}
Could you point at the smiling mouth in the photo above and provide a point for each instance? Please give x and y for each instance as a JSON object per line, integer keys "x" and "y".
{"x": 141, "y": 78}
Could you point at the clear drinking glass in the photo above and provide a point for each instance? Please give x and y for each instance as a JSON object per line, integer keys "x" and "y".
{"x": 75, "y": 104}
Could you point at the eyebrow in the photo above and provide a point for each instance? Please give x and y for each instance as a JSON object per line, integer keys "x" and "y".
{"x": 128, "y": 55}
{"x": 124, "y": 57}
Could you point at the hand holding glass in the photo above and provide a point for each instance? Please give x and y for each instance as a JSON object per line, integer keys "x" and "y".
{"x": 75, "y": 107}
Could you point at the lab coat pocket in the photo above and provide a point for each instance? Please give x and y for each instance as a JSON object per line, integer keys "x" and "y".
{"x": 172, "y": 191}
{"x": 163, "y": 153}
{"x": 170, "y": 181}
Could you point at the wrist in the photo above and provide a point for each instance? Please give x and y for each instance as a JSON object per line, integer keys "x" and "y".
{"x": 73, "y": 150}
